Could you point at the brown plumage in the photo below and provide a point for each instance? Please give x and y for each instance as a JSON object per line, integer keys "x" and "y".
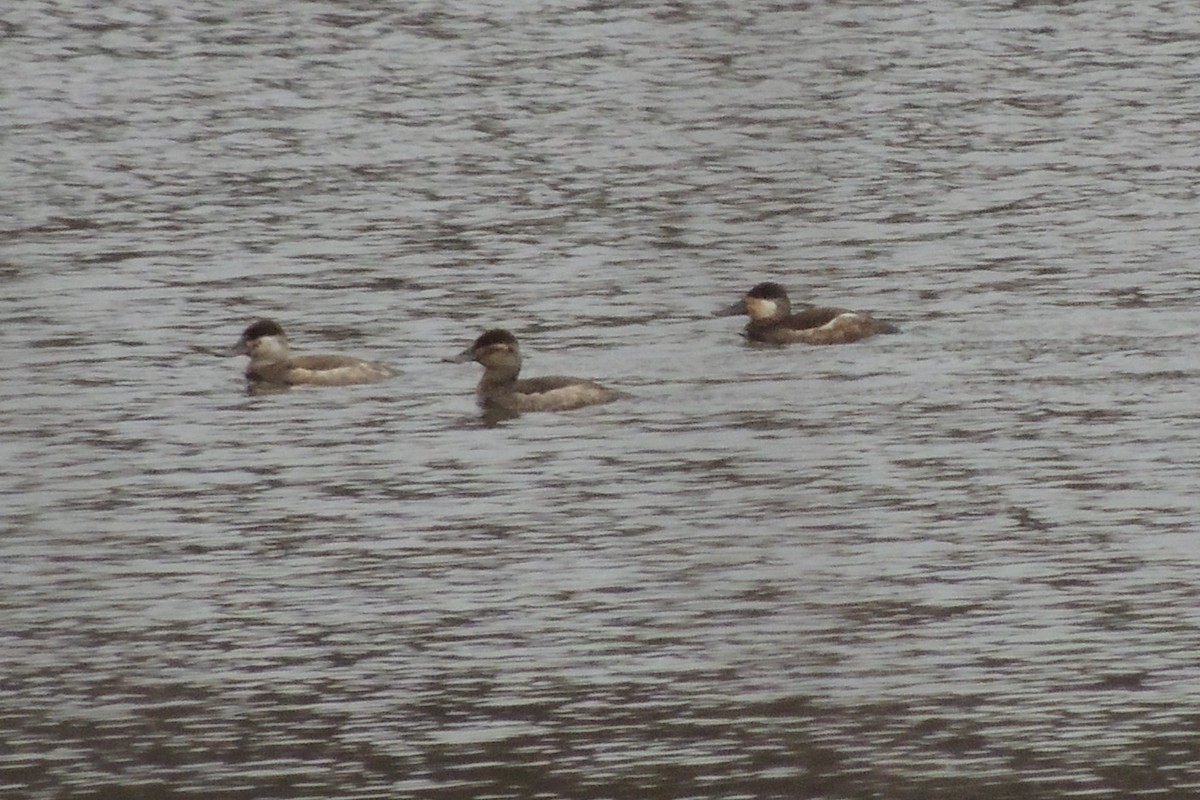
{"x": 772, "y": 320}
{"x": 271, "y": 361}
{"x": 500, "y": 388}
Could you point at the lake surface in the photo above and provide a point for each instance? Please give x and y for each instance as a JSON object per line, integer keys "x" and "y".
{"x": 959, "y": 562}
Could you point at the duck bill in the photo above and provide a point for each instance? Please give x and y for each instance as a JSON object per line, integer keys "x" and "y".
{"x": 735, "y": 310}
{"x": 463, "y": 357}
{"x": 240, "y": 349}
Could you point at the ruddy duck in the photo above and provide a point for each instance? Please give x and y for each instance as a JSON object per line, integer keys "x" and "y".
{"x": 772, "y": 320}
{"x": 271, "y": 361}
{"x": 500, "y": 390}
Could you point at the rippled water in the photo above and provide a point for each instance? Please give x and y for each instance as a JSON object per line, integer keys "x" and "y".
{"x": 959, "y": 562}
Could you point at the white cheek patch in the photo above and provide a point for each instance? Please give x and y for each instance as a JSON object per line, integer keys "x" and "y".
{"x": 270, "y": 347}
{"x": 760, "y": 308}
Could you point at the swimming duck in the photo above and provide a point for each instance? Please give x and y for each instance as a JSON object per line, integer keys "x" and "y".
{"x": 500, "y": 390}
{"x": 271, "y": 361}
{"x": 772, "y": 320}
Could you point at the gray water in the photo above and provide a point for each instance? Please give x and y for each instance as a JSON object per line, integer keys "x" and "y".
{"x": 959, "y": 562}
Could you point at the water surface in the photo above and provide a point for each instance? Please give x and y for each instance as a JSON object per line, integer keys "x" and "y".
{"x": 957, "y": 562}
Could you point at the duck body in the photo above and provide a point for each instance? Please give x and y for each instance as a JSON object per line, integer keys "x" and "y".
{"x": 272, "y": 362}
{"x": 772, "y": 320}
{"x": 501, "y": 388}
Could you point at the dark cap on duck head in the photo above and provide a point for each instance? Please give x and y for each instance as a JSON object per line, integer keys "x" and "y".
{"x": 492, "y": 338}
{"x": 256, "y": 330}
{"x": 261, "y": 328}
{"x": 767, "y": 290}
